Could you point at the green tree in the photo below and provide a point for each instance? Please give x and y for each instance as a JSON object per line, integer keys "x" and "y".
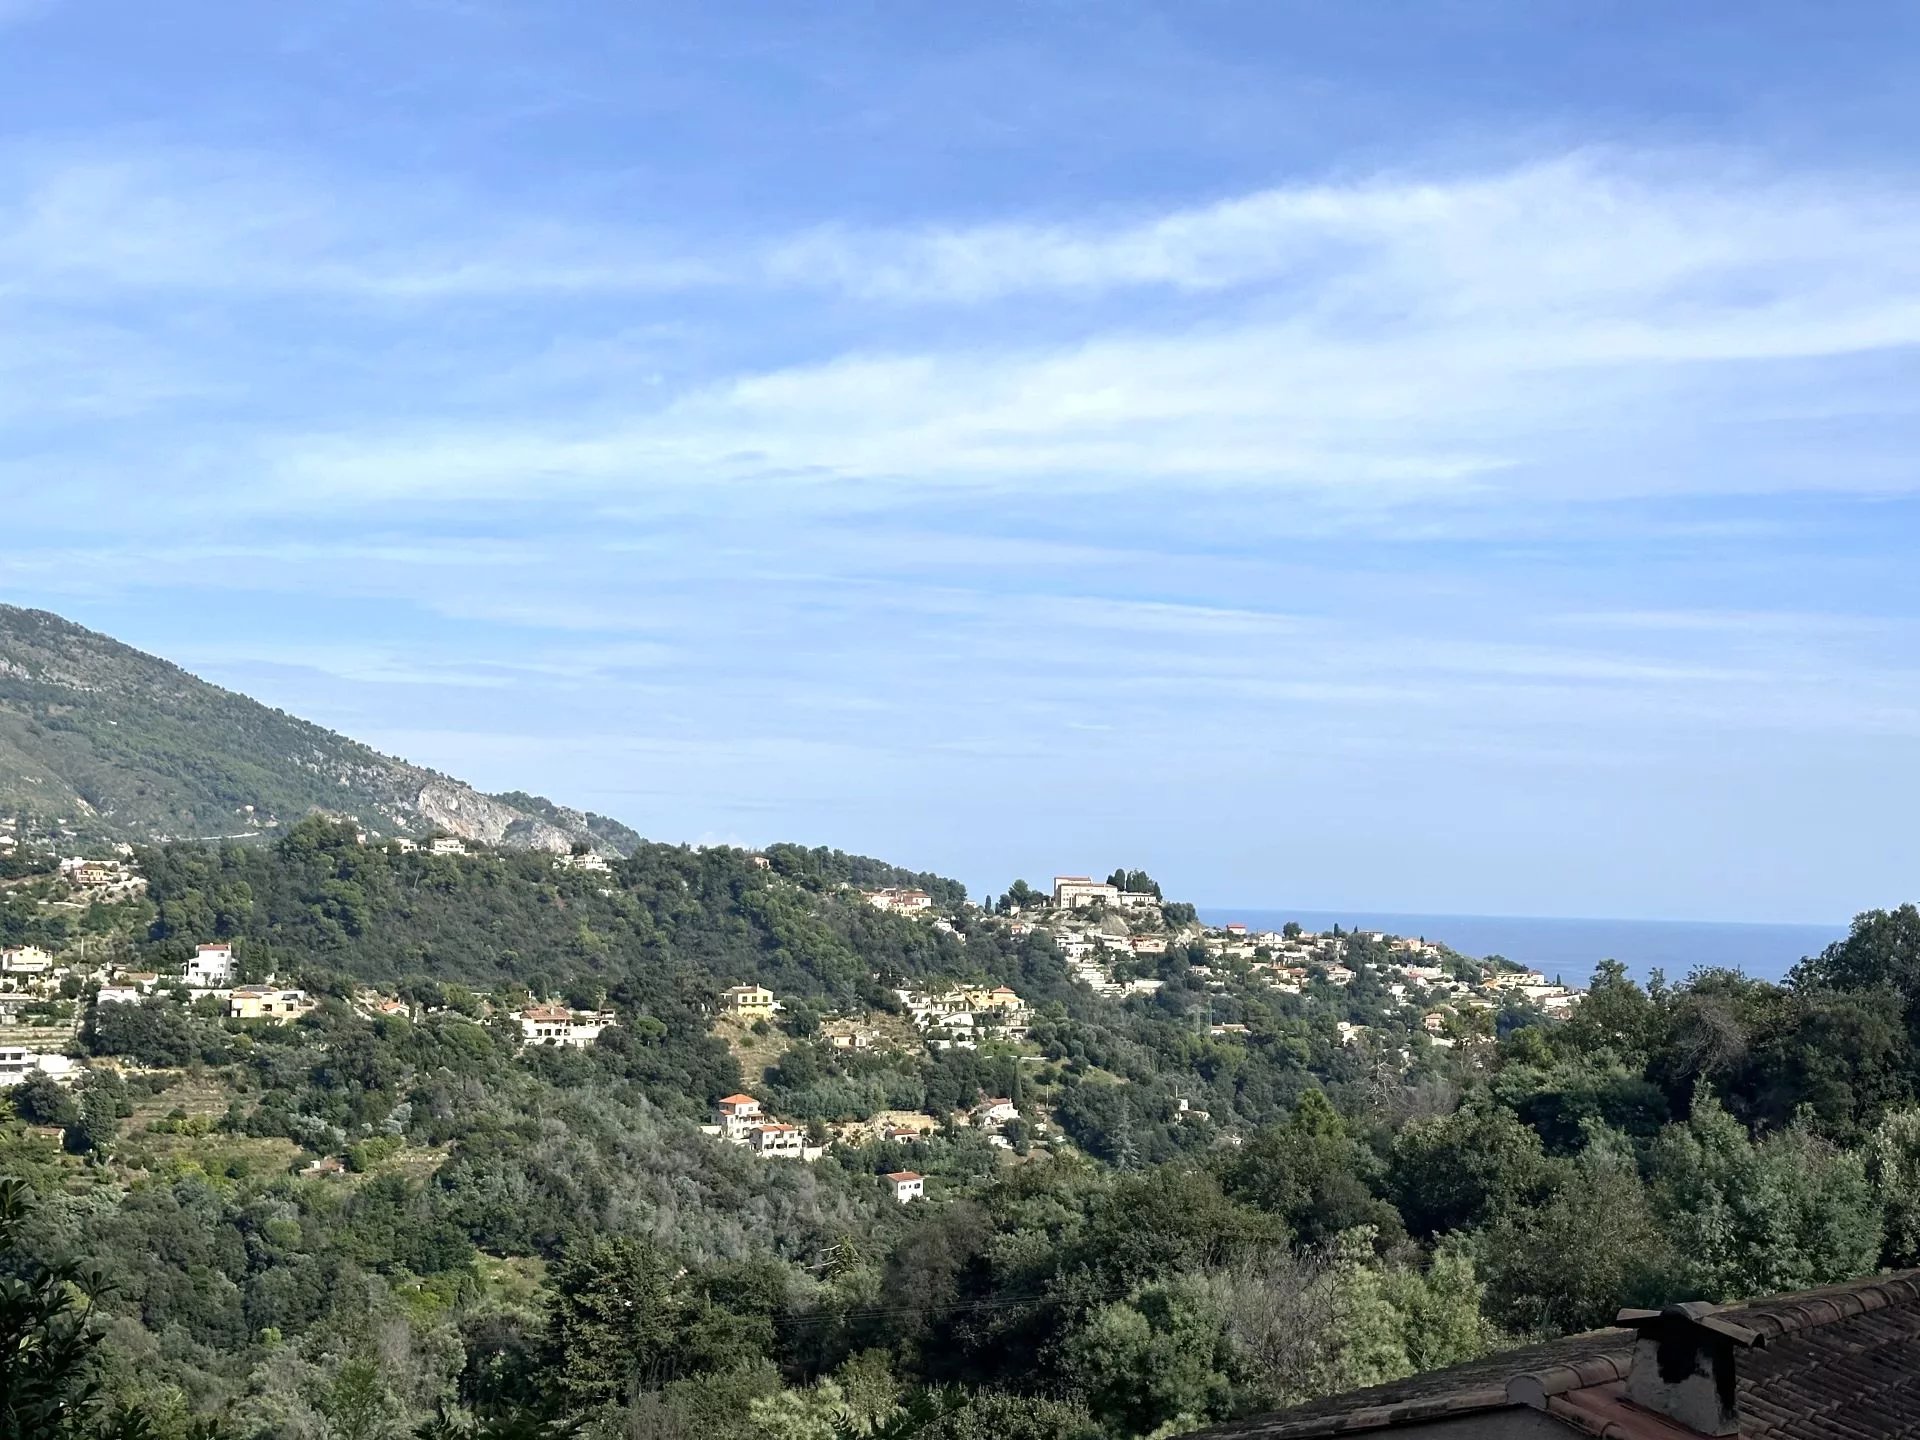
{"x": 1309, "y": 1171}
{"x": 1842, "y": 1059}
{"x": 1020, "y": 895}
{"x": 1311, "y": 1323}
{"x": 812, "y": 1412}
{"x": 42, "y": 1100}
{"x": 870, "y": 1392}
{"x": 358, "y": 1404}
{"x": 610, "y": 1320}
{"x": 49, "y": 1377}
{"x": 1456, "y": 1171}
{"x": 1615, "y": 1015}
{"x": 1441, "y": 1309}
{"x": 1881, "y": 951}
{"x": 1892, "y": 1155}
{"x": 1161, "y": 1222}
{"x": 1156, "y": 1358}
{"x": 992, "y": 1415}
{"x": 522, "y": 1426}
{"x": 1745, "y": 1219}
{"x": 1574, "y": 1261}
{"x": 93, "y": 1128}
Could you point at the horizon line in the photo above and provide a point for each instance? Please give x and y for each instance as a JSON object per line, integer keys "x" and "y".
{"x": 1385, "y": 914}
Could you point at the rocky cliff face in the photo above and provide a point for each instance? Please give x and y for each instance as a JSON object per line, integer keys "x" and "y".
{"x": 463, "y": 811}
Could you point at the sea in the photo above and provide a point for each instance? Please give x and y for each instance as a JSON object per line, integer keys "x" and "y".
{"x": 1569, "y": 949}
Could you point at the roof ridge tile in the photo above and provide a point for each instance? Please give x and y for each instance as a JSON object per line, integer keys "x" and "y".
{"x": 1812, "y": 1309}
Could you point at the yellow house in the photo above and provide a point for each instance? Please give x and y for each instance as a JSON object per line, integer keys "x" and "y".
{"x": 267, "y": 1002}
{"x": 752, "y": 1001}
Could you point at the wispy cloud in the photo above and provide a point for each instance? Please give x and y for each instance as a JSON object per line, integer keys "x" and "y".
{"x": 1595, "y": 237}
{"x": 1588, "y": 233}
{"x": 235, "y": 223}
{"x": 1288, "y": 407}
{"x": 1565, "y": 328}
{"x": 1571, "y": 328}
{"x": 1770, "y": 623}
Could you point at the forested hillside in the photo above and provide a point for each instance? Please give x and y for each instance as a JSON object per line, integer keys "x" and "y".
{"x": 1190, "y": 1221}
{"x": 101, "y": 742}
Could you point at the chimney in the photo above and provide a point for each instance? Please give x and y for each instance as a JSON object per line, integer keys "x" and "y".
{"x": 1683, "y": 1365}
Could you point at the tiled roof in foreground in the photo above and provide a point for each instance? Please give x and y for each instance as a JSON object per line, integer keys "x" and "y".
{"x": 1838, "y": 1363}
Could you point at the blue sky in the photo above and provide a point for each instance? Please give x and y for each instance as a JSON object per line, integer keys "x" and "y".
{"x": 1452, "y": 457}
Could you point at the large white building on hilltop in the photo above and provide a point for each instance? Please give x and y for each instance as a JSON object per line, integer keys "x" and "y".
{"x": 1076, "y": 892}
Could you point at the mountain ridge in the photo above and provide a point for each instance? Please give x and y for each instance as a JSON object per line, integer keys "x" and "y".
{"x": 107, "y": 743}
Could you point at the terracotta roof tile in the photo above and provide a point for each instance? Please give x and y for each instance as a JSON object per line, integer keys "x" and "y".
{"x": 1463, "y": 1389}
{"x": 1838, "y": 1363}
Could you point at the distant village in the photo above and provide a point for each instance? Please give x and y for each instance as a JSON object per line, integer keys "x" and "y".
{"x": 44, "y": 998}
{"x": 1107, "y": 935}
{"x": 1111, "y": 940}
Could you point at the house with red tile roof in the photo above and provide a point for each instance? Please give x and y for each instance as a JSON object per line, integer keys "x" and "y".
{"x": 557, "y": 1025}
{"x": 736, "y": 1116}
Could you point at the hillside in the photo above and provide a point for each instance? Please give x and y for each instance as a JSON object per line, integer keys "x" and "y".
{"x": 1179, "y": 1181}
{"x": 110, "y": 744}
{"x": 1142, "y": 1209}
{"x": 1159, "y": 1174}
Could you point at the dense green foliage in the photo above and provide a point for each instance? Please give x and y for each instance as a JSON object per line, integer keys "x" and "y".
{"x": 546, "y": 1239}
{"x": 48, "y": 1380}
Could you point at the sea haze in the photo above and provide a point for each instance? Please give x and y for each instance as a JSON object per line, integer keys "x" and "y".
{"x": 1569, "y": 948}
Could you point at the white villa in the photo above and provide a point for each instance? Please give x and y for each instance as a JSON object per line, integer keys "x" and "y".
{"x": 210, "y": 968}
{"x": 995, "y": 1112}
{"x": 17, "y": 1063}
{"x": 908, "y": 901}
{"x": 557, "y": 1025}
{"x": 778, "y": 1142}
{"x": 736, "y": 1117}
{"x": 25, "y": 960}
